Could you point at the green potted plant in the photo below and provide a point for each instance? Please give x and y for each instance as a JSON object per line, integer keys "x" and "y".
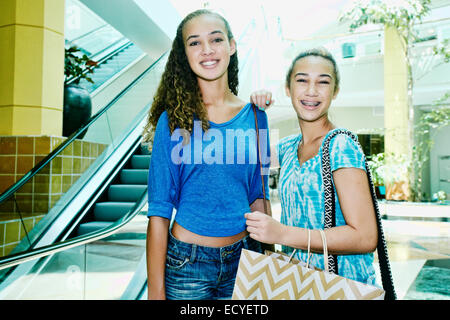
{"x": 77, "y": 101}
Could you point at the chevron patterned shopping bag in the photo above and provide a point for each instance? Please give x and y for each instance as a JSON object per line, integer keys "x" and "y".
{"x": 275, "y": 276}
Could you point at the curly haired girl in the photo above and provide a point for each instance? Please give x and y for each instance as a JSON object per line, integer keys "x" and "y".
{"x": 207, "y": 178}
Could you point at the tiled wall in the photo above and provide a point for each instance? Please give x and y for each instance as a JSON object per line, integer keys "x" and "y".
{"x": 17, "y": 156}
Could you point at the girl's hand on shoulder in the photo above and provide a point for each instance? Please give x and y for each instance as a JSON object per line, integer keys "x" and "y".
{"x": 263, "y": 228}
{"x": 262, "y": 99}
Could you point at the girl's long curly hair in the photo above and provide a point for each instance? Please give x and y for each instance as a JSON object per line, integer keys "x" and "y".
{"x": 178, "y": 92}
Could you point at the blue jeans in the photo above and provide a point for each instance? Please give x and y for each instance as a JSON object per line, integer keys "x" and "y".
{"x": 195, "y": 272}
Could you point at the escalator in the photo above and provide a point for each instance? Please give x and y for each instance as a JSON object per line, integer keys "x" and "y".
{"x": 83, "y": 207}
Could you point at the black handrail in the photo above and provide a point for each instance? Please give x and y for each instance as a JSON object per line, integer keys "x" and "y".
{"x": 30, "y": 174}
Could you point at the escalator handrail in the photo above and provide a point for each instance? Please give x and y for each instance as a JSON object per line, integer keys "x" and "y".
{"x": 35, "y": 253}
{"x": 30, "y": 174}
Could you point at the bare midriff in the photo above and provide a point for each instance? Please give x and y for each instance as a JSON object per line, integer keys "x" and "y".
{"x": 187, "y": 236}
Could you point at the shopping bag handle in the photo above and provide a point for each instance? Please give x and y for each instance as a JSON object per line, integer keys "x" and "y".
{"x": 325, "y": 249}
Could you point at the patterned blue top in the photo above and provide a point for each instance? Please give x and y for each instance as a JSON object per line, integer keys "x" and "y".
{"x": 302, "y": 198}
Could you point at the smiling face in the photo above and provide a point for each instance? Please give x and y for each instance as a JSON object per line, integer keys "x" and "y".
{"x": 208, "y": 49}
{"x": 312, "y": 87}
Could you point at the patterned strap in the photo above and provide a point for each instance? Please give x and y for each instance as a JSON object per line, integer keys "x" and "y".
{"x": 330, "y": 215}
{"x": 330, "y": 210}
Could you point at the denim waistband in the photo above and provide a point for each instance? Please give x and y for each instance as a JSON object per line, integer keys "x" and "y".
{"x": 204, "y": 253}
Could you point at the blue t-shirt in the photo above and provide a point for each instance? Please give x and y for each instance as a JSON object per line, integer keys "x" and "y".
{"x": 212, "y": 179}
{"x": 302, "y": 198}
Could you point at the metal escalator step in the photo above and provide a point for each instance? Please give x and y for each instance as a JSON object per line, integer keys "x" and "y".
{"x": 139, "y": 161}
{"x": 111, "y": 211}
{"x": 126, "y": 192}
{"x": 92, "y": 226}
{"x": 134, "y": 176}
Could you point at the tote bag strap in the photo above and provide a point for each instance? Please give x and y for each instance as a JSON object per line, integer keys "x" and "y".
{"x": 330, "y": 214}
{"x": 259, "y": 160}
